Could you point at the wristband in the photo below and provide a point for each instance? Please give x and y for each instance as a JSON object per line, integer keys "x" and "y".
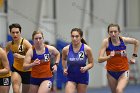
{"x": 135, "y": 55}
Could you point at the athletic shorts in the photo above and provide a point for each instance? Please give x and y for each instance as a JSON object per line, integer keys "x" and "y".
{"x": 79, "y": 79}
{"x": 6, "y": 81}
{"x": 38, "y": 81}
{"x": 117, "y": 75}
{"x": 25, "y": 76}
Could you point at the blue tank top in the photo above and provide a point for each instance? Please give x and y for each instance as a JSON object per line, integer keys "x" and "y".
{"x": 76, "y": 60}
{"x": 119, "y": 61}
{"x": 43, "y": 69}
{"x": 111, "y": 47}
{"x": 45, "y": 56}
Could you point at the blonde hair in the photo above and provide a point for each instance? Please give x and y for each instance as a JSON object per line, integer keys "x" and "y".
{"x": 37, "y": 32}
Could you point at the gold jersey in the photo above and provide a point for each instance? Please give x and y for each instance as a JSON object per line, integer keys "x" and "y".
{"x": 20, "y": 49}
{"x": 3, "y": 75}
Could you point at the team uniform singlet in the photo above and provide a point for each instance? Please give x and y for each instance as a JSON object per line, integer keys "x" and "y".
{"x": 43, "y": 69}
{"x": 5, "y": 79}
{"x": 75, "y": 61}
{"x": 3, "y": 75}
{"x": 20, "y": 49}
{"x": 119, "y": 62}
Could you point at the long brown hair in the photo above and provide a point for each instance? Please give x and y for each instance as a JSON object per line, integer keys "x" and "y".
{"x": 80, "y": 33}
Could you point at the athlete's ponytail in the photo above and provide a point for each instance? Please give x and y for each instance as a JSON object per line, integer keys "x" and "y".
{"x": 83, "y": 41}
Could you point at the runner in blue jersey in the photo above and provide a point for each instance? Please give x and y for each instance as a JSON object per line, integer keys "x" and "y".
{"x": 113, "y": 51}
{"x": 74, "y": 57}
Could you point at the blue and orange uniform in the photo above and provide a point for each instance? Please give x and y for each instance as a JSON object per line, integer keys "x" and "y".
{"x": 42, "y": 71}
{"x": 75, "y": 62}
{"x": 5, "y": 79}
{"x": 18, "y": 62}
{"x": 118, "y": 64}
